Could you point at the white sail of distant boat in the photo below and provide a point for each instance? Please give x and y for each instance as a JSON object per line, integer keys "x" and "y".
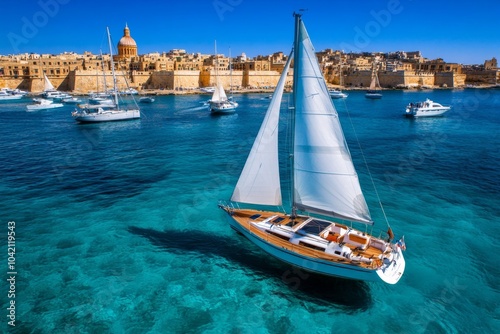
{"x": 89, "y": 113}
{"x": 49, "y": 92}
{"x": 373, "y": 92}
{"x": 324, "y": 183}
{"x": 219, "y": 103}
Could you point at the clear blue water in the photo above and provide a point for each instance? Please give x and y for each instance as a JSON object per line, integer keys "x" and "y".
{"x": 118, "y": 229}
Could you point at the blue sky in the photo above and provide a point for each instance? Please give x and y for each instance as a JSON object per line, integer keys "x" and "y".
{"x": 467, "y": 34}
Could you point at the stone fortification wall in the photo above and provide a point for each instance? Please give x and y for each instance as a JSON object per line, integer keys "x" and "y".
{"x": 13, "y": 83}
{"x": 391, "y": 79}
{"x": 92, "y": 81}
{"x": 449, "y": 79}
{"x": 358, "y": 79}
{"x": 140, "y": 79}
{"x": 173, "y": 80}
{"x": 415, "y": 79}
{"x": 255, "y": 79}
{"x": 61, "y": 83}
{"x": 226, "y": 78}
{"x": 481, "y": 77}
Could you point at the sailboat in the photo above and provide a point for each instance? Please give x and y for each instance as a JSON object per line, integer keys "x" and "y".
{"x": 219, "y": 103}
{"x": 89, "y": 113}
{"x": 373, "y": 93}
{"x": 337, "y": 93}
{"x": 49, "y": 92}
{"x": 317, "y": 233}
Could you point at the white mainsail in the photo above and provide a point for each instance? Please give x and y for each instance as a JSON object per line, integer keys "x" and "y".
{"x": 219, "y": 94}
{"x": 47, "y": 85}
{"x": 325, "y": 180}
{"x": 259, "y": 182}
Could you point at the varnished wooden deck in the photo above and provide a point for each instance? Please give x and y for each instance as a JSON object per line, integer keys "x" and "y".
{"x": 242, "y": 216}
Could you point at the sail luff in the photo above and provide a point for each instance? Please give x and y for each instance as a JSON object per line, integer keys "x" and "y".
{"x": 325, "y": 180}
{"x": 259, "y": 182}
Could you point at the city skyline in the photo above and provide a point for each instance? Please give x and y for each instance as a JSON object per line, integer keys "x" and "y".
{"x": 438, "y": 30}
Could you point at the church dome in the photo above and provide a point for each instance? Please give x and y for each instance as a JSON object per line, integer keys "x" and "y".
{"x": 127, "y": 48}
{"x": 126, "y": 40}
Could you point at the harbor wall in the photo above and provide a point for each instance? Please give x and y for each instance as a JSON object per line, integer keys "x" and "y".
{"x": 84, "y": 81}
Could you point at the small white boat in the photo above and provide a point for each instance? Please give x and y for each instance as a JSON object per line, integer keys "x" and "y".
{"x": 337, "y": 94}
{"x": 373, "y": 94}
{"x": 56, "y": 95}
{"x": 129, "y": 91}
{"x": 6, "y": 95}
{"x": 42, "y": 104}
{"x": 146, "y": 99}
{"x": 72, "y": 100}
{"x": 427, "y": 108}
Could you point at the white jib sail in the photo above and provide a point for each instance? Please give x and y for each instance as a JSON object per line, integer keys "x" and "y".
{"x": 259, "y": 182}
{"x": 325, "y": 180}
{"x": 47, "y": 85}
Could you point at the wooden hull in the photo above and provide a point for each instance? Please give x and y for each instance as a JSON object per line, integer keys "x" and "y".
{"x": 385, "y": 266}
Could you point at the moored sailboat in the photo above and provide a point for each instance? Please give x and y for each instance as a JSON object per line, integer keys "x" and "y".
{"x": 89, "y": 113}
{"x": 373, "y": 92}
{"x": 326, "y": 193}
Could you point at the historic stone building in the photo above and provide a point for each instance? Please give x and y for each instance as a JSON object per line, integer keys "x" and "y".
{"x": 178, "y": 69}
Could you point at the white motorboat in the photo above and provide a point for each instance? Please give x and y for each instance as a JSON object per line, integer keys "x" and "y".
{"x": 427, "y": 108}
{"x": 111, "y": 111}
{"x": 327, "y": 227}
{"x": 337, "y": 94}
{"x": 72, "y": 100}
{"x": 6, "y": 95}
{"x": 42, "y": 104}
{"x": 146, "y": 99}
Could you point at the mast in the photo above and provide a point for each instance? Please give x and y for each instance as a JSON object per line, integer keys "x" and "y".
{"x": 296, "y": 50}
{"x": 230, "y": 74}
{"x": 115, "y": 93}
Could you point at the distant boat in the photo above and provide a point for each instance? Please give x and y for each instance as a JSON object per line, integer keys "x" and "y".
{"x": 43, "y": 104}
{"x": 220, "y": 103}
{"x": 146, "y": 99}
{"x": 72, "y": 100}
{"x": 89, "y": 113}
{"x": 7, "y": 95}
{"x": 337, "y": 94}
{"x": 427, "y": 108}
{"x": 318, "y": 234}
{"x": 49, "y": 92}
{"x": 373, "y": 92}
{"x": 208, "y": 89}
{"x": 129, "y": 91}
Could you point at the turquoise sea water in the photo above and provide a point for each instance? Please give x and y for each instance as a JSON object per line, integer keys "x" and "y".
{"x": 118, "y": 230}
